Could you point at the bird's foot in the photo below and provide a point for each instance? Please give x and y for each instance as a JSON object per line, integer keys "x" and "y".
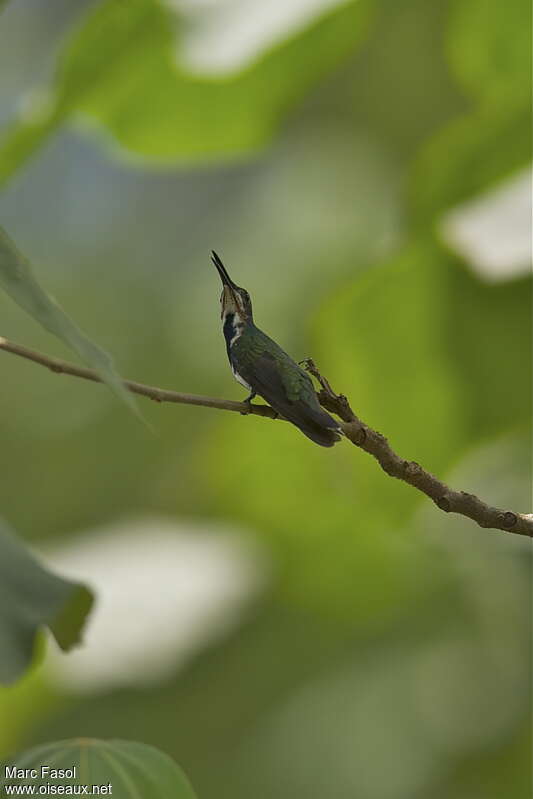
{"x": 248, "y": 402}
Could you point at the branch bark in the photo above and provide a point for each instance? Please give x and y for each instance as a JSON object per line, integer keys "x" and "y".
{"x": 355, "y": 430}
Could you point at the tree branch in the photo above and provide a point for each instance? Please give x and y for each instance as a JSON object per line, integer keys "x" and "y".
{"x": 353, "y": 428}
{"x": 412, "y": 473}
{"x": 157, "y": 394}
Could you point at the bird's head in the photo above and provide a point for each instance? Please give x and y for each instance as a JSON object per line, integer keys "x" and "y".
{"x": 233, "y": 299}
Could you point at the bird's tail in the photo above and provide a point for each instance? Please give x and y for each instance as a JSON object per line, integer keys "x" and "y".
{"x": 320, "y": 427}
{"x": 325, "y": 438}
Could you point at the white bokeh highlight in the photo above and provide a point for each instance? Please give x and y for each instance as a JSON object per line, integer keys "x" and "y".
{"x": 220, "y": 37}
{"x": 494, "y": 232}
{"x": 163, "y": 592}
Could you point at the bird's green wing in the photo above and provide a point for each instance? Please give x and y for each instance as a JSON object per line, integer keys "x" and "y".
{"x": 273, "y": 375}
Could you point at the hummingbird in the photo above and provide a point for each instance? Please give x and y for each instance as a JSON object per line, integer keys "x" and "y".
{"x": 262, "y": 367}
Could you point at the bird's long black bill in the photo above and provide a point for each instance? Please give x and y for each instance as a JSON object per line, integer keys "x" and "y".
{"x": 225, "y": 278}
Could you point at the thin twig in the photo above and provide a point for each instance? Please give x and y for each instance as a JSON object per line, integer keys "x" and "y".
{"x": 354, "y": 429}
{"x": 157, "y": 394}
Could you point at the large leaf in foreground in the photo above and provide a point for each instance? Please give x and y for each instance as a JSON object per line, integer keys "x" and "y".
{"x": 17, "y": 280}
{"x": 32, "y": 598}
{"x": 120, "y": 68}
{"x": 134, "y": 770}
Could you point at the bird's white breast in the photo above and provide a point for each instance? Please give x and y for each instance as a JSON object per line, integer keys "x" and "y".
{"x": 240, "y": 379}
{"x": 232, "y": 326}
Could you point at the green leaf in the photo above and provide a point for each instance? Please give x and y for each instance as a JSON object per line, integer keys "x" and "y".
{"x": 18, "y": 281}
{"x": 32, "y": 598}
{"x": 489, "y": 47}
{"x": 120, "y": 69}
{"x": 135, "y": 770}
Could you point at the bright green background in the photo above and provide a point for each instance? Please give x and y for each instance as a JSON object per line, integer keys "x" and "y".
{"x": 389, "y": 657}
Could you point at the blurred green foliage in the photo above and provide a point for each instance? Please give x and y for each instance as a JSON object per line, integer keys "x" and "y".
{"x": 120, "y": 68}
{"x": 389, "y": 656}
{"x": 488, "y": 46}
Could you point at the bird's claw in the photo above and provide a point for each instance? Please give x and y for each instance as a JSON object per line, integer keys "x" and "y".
{"x": 248, "y": 402}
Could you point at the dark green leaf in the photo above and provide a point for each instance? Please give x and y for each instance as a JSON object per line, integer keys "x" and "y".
{"x": 32, "y": 598}
{"x": 135, "y": 770}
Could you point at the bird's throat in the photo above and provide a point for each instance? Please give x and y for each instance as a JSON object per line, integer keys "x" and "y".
{"x": 232, "y": 326}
